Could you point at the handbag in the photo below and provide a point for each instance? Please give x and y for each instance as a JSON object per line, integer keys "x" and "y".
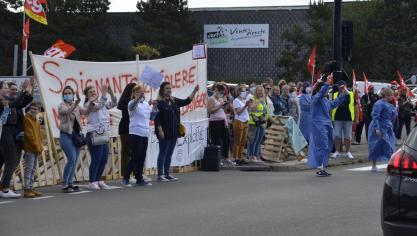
{"x": 78, "y": 139}
{"x": 99, "y": 138}
{"x": 181, "y": 130}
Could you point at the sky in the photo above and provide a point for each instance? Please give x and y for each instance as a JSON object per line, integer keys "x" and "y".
{"x": 130, "y": 5}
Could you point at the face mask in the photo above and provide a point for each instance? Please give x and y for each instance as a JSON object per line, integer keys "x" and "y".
{"x": 243, "y": 94}
{"x": 142, "y": 99}
{"x": 220, "y": 95}
{"x": 68, "y": 98}
{"x": 252, "y": 90}
{"x": 308, "y": 90}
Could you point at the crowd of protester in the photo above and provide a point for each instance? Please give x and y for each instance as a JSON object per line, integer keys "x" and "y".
{"x": 21, "y": 131}
{"x": 331, "y": 120}
{"x": 238, "y": 118}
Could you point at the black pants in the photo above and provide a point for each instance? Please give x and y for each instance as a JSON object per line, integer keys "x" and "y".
{"x": 219, "y": 135}
{"x": 126, "y": 152}
{"x": 10, "y": 152}
{"x": 367, "y": 124}
{"x": 139, "y": 145}
{"x": 404, "y": 120}
{"x": 358, "y": 131}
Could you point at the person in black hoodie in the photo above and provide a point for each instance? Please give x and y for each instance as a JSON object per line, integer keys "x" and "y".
{"x": 11, "y": 141}
{"x": 167, "y": 123}
{"x": 124, "y": 126}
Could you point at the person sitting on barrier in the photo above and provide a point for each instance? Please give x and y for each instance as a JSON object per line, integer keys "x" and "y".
{"x": 98, "y": 132}
{"x": 140, "y": 115}
{"x": 69, "y": 116}
{"x": 321, "y": 136}
{"x": 218, "y": 122}
{"x": 381, "y": 130}
{"x": 167, "y": 127}
{"x": 11, "y": 141}
{"x": 32, "y": 145}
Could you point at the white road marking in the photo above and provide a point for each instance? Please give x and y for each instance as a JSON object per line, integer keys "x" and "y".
{"x": 44, "y": 197}
{"x": 368, "y": 168}
{"x": 81, "y": 192}
{"x": 5, "y": 202}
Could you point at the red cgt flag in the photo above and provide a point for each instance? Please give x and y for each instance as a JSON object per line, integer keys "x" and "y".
{"x": 34, "y": 9}
{"x": 60, "y": 49}
{"x": 403, "y": 85}
{"x": 312, "y": 61}
{"x": 25, "y": 34}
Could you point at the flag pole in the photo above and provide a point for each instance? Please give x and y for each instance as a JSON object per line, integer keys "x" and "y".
{"x": 312, "y": 76}
{"x": 25, "y": 50}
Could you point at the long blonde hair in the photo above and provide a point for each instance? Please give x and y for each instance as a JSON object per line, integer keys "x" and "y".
{"x": 256, "y": 91}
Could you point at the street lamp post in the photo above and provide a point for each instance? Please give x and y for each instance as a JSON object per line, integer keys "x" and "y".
{"x": 337, "y": 34}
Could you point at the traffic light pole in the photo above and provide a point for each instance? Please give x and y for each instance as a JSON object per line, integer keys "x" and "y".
{"x": 337, "y": 34}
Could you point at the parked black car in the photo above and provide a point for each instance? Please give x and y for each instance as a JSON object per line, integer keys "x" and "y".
{"x": 399, "y": 200}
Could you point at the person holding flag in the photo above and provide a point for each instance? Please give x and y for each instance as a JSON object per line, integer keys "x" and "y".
{"x": 321, "y": 136}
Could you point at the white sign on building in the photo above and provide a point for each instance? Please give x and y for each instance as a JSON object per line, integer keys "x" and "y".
{"x": 237, "y": 36}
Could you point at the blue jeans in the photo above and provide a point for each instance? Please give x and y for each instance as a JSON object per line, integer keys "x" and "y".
{"x": 166, "y": 148}
{"x": 71, "y": 152}
{"x": 99, "y": 155}
{"x": 254, "y": 147}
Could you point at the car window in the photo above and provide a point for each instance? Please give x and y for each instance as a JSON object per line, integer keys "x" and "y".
{"x": 412, "y": 139}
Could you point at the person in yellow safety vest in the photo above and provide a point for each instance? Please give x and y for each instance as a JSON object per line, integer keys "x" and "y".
{"x": 343, "y": 118}
{"x": 258, "y": 118}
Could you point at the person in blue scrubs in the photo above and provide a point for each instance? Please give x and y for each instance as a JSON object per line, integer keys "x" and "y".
{"x": 321, "y": 136}
{"x": 305, "y": 105}
{"x": 381, "y": 140}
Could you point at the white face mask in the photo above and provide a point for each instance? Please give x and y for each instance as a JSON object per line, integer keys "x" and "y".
{"x": 142, "y": 99}
{"x": 308, "y": 90}
{"x": 252, "y": 90}
{"x": 243, "y": 94}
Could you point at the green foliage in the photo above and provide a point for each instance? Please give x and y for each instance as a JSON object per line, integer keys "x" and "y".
{"x": 146, "y": 51}
{"x": 385, "y": 39}
{"x": 299, "y": 43}
{"x": 166, "y": 25}
{"x": 82, "y": 23}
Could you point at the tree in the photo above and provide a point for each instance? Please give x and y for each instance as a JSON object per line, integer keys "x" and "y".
{"x": 299, "y": 43}
{"x": 166, "y": 25}
{"x": 385, "y": 39}
{"x": 146, "y": 51}
{"x": 82, "y": 23}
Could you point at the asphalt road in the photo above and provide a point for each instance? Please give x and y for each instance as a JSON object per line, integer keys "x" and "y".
{"x": 203, "y": 203}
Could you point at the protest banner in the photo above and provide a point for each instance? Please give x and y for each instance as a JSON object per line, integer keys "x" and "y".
{"x": 181, "y": 71}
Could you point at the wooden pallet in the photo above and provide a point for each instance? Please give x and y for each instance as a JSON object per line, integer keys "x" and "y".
{"x": 52, "y": 162}
{"x": 277, "y": 147}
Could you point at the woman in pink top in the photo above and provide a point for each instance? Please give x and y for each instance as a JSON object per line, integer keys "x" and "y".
{"x": 218, "y": 124}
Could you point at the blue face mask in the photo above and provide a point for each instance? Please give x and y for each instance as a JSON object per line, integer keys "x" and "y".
{"x": 68, "y": 98}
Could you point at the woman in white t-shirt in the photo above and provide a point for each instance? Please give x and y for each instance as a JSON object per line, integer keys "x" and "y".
{"x": 139, "y": 113}
{"x": 240, "y": 123}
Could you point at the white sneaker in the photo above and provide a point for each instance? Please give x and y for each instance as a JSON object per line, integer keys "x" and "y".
{"x": 103, "y": 185}
{"x": 93, "y": 186}
{"x": 335, "y": 155}
{"x": 146, "y": 178}
{"x": 10, "y": 194}
{"x": 349, "y": 155}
